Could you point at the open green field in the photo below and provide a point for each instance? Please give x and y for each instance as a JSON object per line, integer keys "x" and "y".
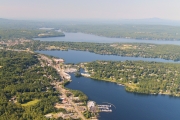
{"x": 30, "y": 103}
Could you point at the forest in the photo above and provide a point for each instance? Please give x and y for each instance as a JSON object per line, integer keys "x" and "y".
{"x": 138, "y": 31}
{"x": 139, "y": 76}
{"x": 26, "y": 92}
{"x": 6, "y": 34}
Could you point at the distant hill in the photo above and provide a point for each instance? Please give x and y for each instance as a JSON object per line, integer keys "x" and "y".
{"x": 150, "y": 21}
{"x": 22, "y": 24}
{"x": 146, "y": 21}
{"x": 55, "y": 23}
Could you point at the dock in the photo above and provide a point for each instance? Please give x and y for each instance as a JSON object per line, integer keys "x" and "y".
{"x": 104, "y": 108}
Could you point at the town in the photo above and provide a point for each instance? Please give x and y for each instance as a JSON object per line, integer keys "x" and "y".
{"x": 73, "y": 105}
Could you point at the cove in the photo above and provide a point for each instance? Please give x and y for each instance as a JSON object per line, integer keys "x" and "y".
{"x": 82, "y": 37}
{"x": 129, "y": 106}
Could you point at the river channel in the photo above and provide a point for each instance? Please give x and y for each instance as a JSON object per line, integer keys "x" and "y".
{"x": 129, "y": 106}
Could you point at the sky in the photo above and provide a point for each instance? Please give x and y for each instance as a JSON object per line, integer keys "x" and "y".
{"x": 90, "y": 9}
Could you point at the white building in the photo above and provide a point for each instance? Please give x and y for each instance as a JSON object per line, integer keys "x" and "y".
{"x": 90, "y": 104}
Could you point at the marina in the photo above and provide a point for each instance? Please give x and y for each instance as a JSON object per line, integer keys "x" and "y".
{"x": 104, "y": 108}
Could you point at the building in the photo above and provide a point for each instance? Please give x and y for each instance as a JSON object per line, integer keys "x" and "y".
{"x": 90, "y": 104}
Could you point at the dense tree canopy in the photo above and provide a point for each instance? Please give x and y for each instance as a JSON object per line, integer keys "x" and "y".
{"x": 22, "y": 79}
{"x": 146, "y": 32}
{"x": 139, "y": 76}
{"x": 6, "y": 34}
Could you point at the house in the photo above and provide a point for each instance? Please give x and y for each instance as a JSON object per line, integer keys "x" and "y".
{"x": 48, "y": 116}
{"x": 64, "y": 101}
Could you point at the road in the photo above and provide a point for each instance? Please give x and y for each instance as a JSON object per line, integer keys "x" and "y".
{"x": 62, "y": 91}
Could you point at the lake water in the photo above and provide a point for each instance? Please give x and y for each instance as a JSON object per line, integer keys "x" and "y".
{"x": 81, "y": 37}
{"x": 72, "y": 56}
{"x": 129, "y": 106}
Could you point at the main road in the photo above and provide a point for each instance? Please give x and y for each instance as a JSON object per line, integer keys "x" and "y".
{"x": 63, "y": 92}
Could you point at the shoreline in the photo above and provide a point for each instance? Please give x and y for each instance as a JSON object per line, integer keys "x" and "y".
{"x": 124, "y": 85}
{"x": 64, "y": 73}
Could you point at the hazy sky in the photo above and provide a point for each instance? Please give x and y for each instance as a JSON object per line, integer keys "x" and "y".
{"x": 90, "y": 9}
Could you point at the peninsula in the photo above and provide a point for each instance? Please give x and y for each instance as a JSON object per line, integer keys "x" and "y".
{"x": 138, "y": 76}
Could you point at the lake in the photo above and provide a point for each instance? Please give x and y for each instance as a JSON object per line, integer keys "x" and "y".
{"x": 129, "y": 106}
{"x": 82, "y": 37}
{"x": 72, "y": 56}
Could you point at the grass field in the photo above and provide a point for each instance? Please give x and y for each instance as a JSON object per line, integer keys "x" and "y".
{"x": 132, "y": 85}
{"x": 30, "y": 103}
